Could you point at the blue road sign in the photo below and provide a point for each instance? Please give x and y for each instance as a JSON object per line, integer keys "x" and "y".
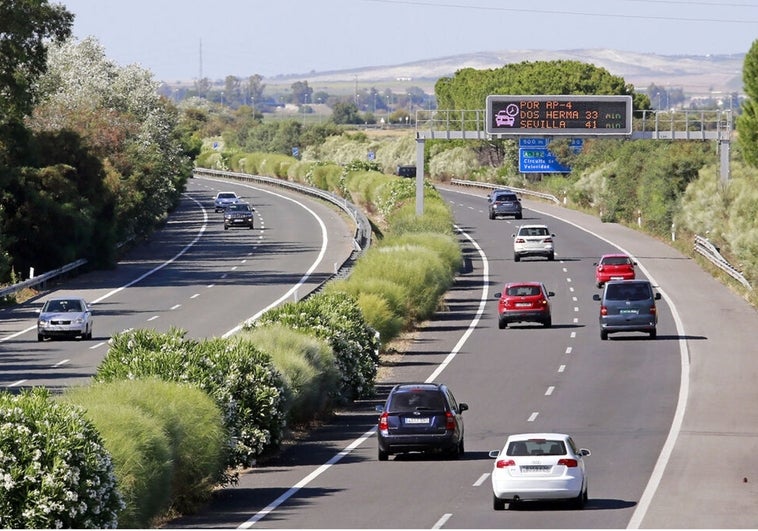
{"x": 534, "y": 156}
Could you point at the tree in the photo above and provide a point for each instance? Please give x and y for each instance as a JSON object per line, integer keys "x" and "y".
{"x": 346, "y": 113}
{"x": 301, "y": 93}
{"x": 747, "y": 122}
{"x": 27, "y": 27}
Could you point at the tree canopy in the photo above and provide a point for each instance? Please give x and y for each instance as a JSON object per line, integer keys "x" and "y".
{"x": 469, "y": 88}
{"x": 747, "y": 123}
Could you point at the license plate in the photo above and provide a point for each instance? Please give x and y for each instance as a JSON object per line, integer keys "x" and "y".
{"x": 535, "y": 468}
{"x": 417, "y": 420}
{"x": 617, "y": 278}
{"x": 629, "y": 312}
{"x": 523, "y": 304}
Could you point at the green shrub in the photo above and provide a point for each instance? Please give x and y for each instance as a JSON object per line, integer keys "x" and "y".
{"x": 336, "y": 318}
{"x": 379, "y": 315}
{"x": 187, "y": 415}
{"x": 54, "y": 469}
{"x": 233, "y": 372}
{"x": 307, "y": 365}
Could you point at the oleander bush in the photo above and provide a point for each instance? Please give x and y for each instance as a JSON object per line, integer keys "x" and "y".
{"x": 336, "y": 318}
{"x": 55, "y": 471}
{"x": 167, "y": 440}
{"x": 308, "y": 367}
{"x": 239, "y": 377}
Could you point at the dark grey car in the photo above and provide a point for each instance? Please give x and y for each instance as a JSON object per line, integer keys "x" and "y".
{"x": 420, "y": 417}
{"x": 628, "y": 306}
{"x": 505, "y": 204}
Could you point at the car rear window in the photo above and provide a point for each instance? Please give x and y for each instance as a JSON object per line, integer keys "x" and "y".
{"x": 533, "y": 231}
{"x": 536, "y": 447}
{"x": 417, "y": 399}
{"x": 625, "y": 291}
{"x": 522, "y": 291}
{"x": 616, "y": 260}
{"x": 506, "y": 197}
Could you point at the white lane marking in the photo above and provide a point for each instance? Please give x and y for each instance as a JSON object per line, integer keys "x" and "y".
{"x": 323, "y": 468}
{"x": 62, "y": 362}
{"x": 533, "y": 416}
{"x": 568, "y": 350}
{"x": 175, "y": 306}
{"x": 195, "y": 296}
{"x": 550, "y": 390}
{"x": 573, "y": 335}
{"x": 15, "y": 384}
{"x": 479, "y": 482}
{"x": 442, "y": 521}
{"x": 576, "y": 308}
{"x": 153, "y": 318}
{"x": 98, "y": 345}
{"x": 561, "y": 368}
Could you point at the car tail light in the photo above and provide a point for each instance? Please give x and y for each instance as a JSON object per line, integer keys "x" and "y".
{"x": 600, "y": 267}
{"x": 505, "y": 463}
{"x": 520, "y": 240}
{"x": 449, "y": 421}
{"x": 652, "y": 310}
{"x": 383, "y": 424}
{"x": 570, "y": 463}
{"x": 547, "y": 240}
{"x": 603, "y": 310}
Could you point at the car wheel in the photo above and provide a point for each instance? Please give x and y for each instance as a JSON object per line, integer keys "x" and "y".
{"x": 603, "y": 335}
{"x": 518, "y": 216}
{"x": 497, "y": 503}
{"x": 653, "y": 333}
{"x": 599, "y": 284}
{"x": 492, "y": 216}
{"x": 580, "y": 500}
{"x": 89, "y": 334}
{"x": 501, "y": 324}
{"x": 551, "y": 257}
{"x": 461, "y": 449}
{"x": 516, "y": 257}
{"x": 548, "y": 322}
{"x": 40, "y": 337}
{"x": 383, "y": 456}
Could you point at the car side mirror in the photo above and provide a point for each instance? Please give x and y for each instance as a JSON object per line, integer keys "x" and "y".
{"x": 596, "y": 297}
{"x": 379, "y": 409}
{"x": 462, "y": 407}
{"x": 551, "y": 294}
{"x": 553, "y": 235}
{"x": 494, "y": 454}
{"x": 584, "y": 452}
{"x": 657, "y": 296}
{"x": 497, "y": 295}
{"x": 594, "y": 263}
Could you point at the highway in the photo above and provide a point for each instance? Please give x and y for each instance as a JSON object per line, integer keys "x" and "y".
{"x": 655, "y": 413}
{"x": 192, "y": 275}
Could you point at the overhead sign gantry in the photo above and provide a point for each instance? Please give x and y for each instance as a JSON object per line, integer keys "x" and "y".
{"x": 558, "y": 115}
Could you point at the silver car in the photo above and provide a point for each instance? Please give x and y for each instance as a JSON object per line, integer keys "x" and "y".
{"x": 65, "y": 317}
{"x": 628, "y": 306}
{"x": 223, "y": 200}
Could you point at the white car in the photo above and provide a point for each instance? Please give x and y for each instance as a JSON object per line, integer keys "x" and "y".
{"x": 533, "y": 240}
{"x": 223, "y": 200}
{"x": 65, "y": 317}
{"x": 539, "y": 466}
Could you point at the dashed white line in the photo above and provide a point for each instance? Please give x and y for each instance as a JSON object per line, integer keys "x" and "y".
{"x": 98, "y": 345}
{"x": 561, "y": 368}
{"x": 573, "y": 335}
{"x": 62, "y": 362}
{"x": 481, "y": 480}
{"x": 175, "y": 306}
{"x": 568, "y": 350}
{"x": 550, "y": 390}
{"x": 195, "y": 296}
{"x": 533, "y": 416}
{"x": 153, "y": 318}
{"x": 442, "y": 521}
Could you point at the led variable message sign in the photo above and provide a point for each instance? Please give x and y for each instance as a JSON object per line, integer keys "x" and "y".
{"x": 559, "y": 115}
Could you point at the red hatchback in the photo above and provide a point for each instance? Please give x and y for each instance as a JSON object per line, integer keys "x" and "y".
{"x": 524, "y": 302}
{"x": 614, "y": 267}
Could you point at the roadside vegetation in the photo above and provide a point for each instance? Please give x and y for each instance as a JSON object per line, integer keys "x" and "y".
{"x": 92, "y": 158}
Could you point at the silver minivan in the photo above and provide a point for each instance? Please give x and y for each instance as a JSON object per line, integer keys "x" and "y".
{"x": 628, "y": 306}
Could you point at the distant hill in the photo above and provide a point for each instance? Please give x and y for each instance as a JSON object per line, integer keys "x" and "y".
{"x": 694, "y": 74}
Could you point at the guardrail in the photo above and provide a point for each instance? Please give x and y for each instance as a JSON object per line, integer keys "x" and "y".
{"x": 522, "y": 191}
{"x": 709, "y": 251}
{"x": 362, "y": 236}
{"x": 42, "y": 279}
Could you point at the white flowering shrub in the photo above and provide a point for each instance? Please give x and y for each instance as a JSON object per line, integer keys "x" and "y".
{"x": 54, "y": 470}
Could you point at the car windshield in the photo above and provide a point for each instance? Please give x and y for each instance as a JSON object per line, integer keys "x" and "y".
{"x": 626, "y": 291}
{"x": 522, "y": 291}
{"x": 536, "y": 447}
{"x": 72, "y": 305}
{"x": 227, "y": 196}
{"x": 239, "y": 207}
{"x": 416, "y": 400}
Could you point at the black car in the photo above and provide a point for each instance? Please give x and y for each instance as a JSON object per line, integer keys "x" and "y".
{"x": 238, "y": 215}
{"x": 505, "y": 204}
{"x": 420, "y": 417}
{"x": 628, "y": 306}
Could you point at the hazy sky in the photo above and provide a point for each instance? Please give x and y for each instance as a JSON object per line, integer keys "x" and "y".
{"x": 181, "y": 39}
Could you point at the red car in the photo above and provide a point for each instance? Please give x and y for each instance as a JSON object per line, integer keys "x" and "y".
{"x": 524, "y": 302}
{"x": 615, "y": 266}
